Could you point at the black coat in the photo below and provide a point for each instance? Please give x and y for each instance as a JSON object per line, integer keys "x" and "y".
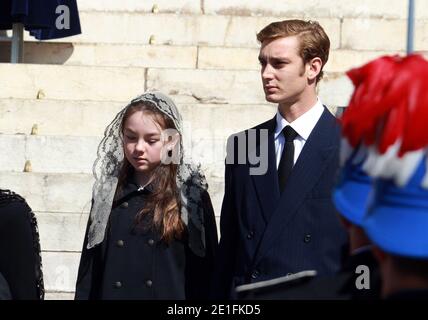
{"x": 20, "y": 260}
{"x": 133, "y": 263}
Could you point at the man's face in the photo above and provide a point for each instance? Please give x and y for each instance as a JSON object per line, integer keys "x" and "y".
{"x": 283, "y": 71}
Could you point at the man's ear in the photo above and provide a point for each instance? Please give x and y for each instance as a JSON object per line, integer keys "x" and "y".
{"x": 314, "y": 68}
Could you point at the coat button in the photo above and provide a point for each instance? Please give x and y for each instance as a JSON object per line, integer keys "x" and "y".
{"x": 118, "y": 284}
{"x": 250, "y": 235}
{"x": 149, "y": 283}
{"x": 124, "y": 205}
{"x": 255, "y": 274}
{"x": 289, "y": 274}
{"x": 307, "y": 238}
{"x": 151, "y": 242}
{"x": 120, "y": 243}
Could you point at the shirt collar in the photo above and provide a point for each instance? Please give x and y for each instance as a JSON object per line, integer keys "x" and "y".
{"x": 304, "y": 124}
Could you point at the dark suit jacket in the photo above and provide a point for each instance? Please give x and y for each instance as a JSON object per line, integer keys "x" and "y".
{"x": 4, "y": 289}
{"x": 265, "y": 234}
{"x": 341, "y": 286}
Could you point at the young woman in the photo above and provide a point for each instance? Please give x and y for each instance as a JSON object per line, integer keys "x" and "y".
{"x": 151, "y": 232}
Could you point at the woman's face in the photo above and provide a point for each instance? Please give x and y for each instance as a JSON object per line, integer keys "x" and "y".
{"x": 142, "y": 142}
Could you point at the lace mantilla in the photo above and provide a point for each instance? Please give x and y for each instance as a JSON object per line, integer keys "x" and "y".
{"x": 190, "y": 179}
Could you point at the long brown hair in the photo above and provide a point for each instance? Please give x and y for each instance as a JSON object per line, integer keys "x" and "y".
{"x": 163, "y": 204}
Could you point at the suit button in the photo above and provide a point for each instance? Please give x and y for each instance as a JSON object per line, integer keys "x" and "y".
{"x": 149, "y": 283}
{"x": 120, "y": 243}
{"x": 255, "y": 274}
{"x": 118, "y": 284}
{"x": 307, "y": 238}
{"x": 289, "y": 274}
{"x": 250, "y": 235}
{"x": 124, "y": 205}
{"x": 151, "y": 242}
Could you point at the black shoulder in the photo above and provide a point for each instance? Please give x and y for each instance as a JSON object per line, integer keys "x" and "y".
{"x": 7, "y": 197}
{"x": 13, "y": 206}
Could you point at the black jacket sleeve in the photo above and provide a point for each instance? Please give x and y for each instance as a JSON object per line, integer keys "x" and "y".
{"x": 20, "y": 261}
{"x": 222, "y": 280}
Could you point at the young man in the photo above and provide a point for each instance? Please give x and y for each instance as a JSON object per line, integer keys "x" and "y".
{"x": 282, "y": 221}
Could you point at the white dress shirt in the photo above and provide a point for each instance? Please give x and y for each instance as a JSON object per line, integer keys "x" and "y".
{"x": 303, "y": 125}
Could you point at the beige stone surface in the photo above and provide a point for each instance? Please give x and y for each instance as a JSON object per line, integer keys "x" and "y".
{"x": 374, "y": 34}
{"x": 113, "y": 55}
{"x": 61, "y": 231}
{"x": 70, "y": 82}
{"x": 315, "y": 9}
{"x": 60, "y": 270}
{"x": 176, "y": 6}
{"x": 89, "y": 118}
{"x": 50, "y": 192}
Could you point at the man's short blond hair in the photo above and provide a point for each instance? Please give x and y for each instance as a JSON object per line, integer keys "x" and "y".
{"x": 314, "y": 42}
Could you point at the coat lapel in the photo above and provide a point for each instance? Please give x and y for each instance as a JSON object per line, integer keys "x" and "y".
{"x": 305, "y": 174}
{"x": 266, "y": 185}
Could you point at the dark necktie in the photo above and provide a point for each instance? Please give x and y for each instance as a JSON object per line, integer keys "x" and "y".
{"x": 287, "y": 157}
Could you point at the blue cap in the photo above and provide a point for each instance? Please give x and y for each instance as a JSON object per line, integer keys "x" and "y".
{"x": 351, "y": 193}
{"x": 397, "y": 217}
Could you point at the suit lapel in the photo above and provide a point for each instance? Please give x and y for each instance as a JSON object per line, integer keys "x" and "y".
{"x": 305, "y": 174}
{"x": 266, "y": 185}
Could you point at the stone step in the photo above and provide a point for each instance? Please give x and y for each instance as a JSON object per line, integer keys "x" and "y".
{"x": 164, "y": 56}
{"x": 61, "y": 231}
{"x": 315, "y": 9}
{"x": 60, "y": 271}
{"x": 76, "y": 154}
{"x": 112, "y": 55}
{"x": 53, "y": 154}
{"x": 89, "y": 118}
{"x": 236, "y": 87}
{"x": 30, "y": 81}
{"x": 163, "y": 6}
{"x": 236, "y": 31}
{"x": 124, "y": 83}
{"x": 59, "y": 295}
{"x": 247, "y": 58}
{"x": 382, "y": 34}
{"x": 179, "y": 29}
{"x": 70, "y": 193}
{"x": 291, "y": 8}
{"x": 51, "y": 192}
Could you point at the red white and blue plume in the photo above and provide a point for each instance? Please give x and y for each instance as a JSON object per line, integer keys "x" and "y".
{"x": 387, "y": 117}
